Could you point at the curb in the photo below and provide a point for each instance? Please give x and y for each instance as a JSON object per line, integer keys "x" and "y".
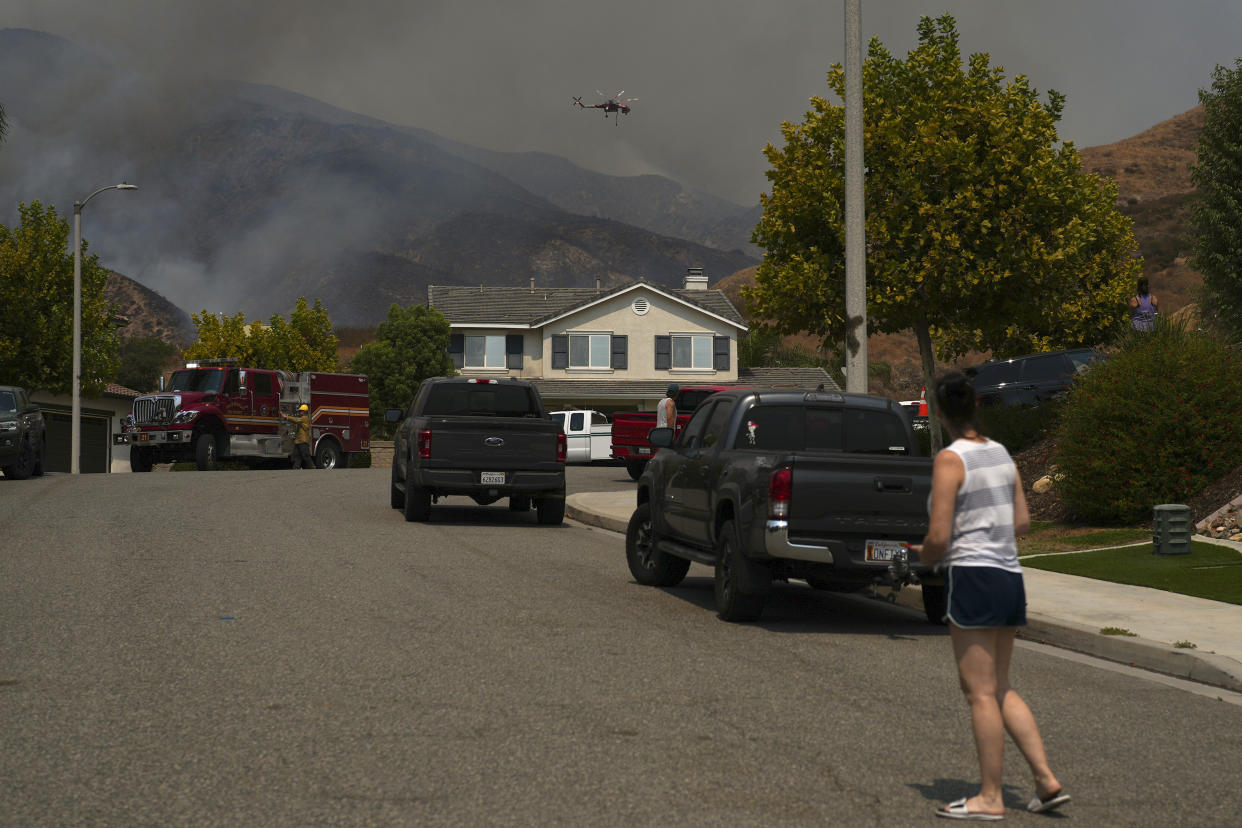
{"x": 1203, "y": 668}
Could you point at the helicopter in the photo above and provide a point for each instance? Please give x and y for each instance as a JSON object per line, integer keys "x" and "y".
{"x": 614, "y": 104}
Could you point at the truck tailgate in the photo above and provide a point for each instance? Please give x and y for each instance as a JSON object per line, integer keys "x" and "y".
{"x": 492, "y": 444}
{"x": 852, "y": 495}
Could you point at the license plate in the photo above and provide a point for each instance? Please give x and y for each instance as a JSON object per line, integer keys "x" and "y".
{"x": 887, "y": 550}
{"x": 644, "y": 451}
{"x": 492, "y": 478}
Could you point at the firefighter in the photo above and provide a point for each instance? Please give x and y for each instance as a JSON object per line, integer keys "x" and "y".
{"x": 301, "y": 439}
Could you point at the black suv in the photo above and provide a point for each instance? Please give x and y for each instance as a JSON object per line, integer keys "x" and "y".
{"x": 1031, "y": 379}
{"x": 23, "y": 436}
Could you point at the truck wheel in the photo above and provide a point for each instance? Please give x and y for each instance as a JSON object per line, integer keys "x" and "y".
{"x": 551, "y": 510}
{"x": 934, "y": 604}
{"x": 205, "y": 452}
{"x": 329, "y": 455}
{"x": 37, "y": 471}
{"x": 397, "y": 496}
{"x": 635, "y": 468}
{"x": 736, "y": 577}
{"x": 519, "y": 503}
{"x": 21, "y": 469}
{"x": 417, "y": 503}
{"x": 139, "y": 459}
{"x": 648, "y": 565}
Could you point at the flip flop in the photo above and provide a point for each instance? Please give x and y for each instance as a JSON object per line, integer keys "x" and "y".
{"x": 1048, "y": 803}
{"x": 957, "y": 810}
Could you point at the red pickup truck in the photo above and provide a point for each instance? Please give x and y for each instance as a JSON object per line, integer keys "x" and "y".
{"x": 630, "y": 428}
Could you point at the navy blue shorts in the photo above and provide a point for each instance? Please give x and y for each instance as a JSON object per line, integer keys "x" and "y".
{"x": 985, "y": 596}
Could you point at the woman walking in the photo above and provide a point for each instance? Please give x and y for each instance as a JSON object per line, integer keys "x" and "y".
{"x": 977, "y": 510}
{"x": 1142, "y": 307}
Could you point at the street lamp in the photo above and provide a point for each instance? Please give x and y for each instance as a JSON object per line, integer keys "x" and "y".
{"x": 76, "y": 440}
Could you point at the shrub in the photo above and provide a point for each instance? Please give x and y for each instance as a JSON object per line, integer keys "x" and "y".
{"x": 1154, "y": 424}
{"x": 1018, "y": 427}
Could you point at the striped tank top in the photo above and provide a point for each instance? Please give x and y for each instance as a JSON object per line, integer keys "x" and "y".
{"x": 983, "y": 512}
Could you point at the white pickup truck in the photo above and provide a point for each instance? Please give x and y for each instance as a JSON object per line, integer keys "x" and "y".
{"x": 588, "y": 435}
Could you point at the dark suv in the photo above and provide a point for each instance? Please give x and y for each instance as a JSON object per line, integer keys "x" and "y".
{"x": 23, "y": 436}
{"x": 1031, "y": 379}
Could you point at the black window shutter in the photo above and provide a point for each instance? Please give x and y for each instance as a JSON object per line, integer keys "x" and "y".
{"x": 620, "y": 353}
{"x": 513, "y": 351}
{"x": 663, "y": 353}
{"x": 457, "y": 350}
{"x": 560, "y": 351}
{"x": 720, "y": 353}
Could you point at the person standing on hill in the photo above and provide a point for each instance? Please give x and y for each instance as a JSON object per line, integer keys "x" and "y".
{"x": 1142, "y": 307}
{"x": 977, "y": 510}
{"x": 666, "y": 409}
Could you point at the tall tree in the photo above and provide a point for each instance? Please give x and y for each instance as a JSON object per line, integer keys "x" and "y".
{"x": 304, "y": 342}
{"x": 227, "y": 337}
{"x": 411, "y": 345}
{"x": 983, "y": 232}
{"x": 36, "y": 294}
{"x": 1216, "y": 217}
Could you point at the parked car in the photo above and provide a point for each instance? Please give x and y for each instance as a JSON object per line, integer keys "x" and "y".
{"x": 765, "y": 486}
{"x": 588, "y": 435}
{"x": 23, "y": 434}
{"x": 1031, "y": 379}
{"x": 485, "y": 439}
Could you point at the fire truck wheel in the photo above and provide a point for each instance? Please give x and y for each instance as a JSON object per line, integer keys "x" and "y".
{"x": 398, "y": 496}
{"x": 139, "y": 460}
{"x": 328, "y": 455}
{"x": 205, "y": 452}
{"x": 417, "y": 503}
{"x": 551, "y": 510}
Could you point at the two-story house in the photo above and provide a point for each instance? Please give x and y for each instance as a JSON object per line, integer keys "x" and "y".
{"x": 609, "y": 350}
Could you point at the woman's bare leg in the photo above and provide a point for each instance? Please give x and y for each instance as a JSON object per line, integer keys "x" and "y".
{"x": 1019, "y": 721}
{"x": 976, "y": 654}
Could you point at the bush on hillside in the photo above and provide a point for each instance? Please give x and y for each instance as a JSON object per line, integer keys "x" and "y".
{"x": 1018, "y": 427}
{"x": 1155, "y": 424}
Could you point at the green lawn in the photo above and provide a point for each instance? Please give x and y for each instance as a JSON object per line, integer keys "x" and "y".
{"x": 1210, "y": 570}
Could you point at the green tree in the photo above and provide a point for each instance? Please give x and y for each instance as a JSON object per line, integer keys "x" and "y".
{"x": 983, "y": 232}
{"x": 36, "y": 294}
{"x": 304, "y": 342}
{"x": 764, "y": 347}
{"x": 411, "y": 345}
{"x": 227, "y": 337}
{"x": 1216, "y": 217}
{"x": 142, "y": 362}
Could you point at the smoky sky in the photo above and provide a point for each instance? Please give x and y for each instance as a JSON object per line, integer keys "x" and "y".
{"x": 714, "y": 78}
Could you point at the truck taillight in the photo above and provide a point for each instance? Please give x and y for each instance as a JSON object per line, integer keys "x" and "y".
{"x": 780, "y": 490}
{"x": 424, "y": 444}
{"x": 560, "y": 447}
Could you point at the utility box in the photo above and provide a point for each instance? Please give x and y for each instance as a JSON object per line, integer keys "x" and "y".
{"x": 1171, "y": 529}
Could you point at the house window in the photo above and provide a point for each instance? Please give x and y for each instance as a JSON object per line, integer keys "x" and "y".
{"x": 485, "y": 351}
{"x": 692, "y": 351}
{"x": 590, "y": 351}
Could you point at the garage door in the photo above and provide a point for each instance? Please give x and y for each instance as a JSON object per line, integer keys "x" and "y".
{"x": 95, "y": 453}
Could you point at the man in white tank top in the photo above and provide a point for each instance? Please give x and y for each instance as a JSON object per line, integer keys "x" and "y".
{"x": 666, "y": 409}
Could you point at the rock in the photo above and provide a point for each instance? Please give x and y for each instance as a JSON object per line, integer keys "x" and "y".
{"x": 1236, "y": 537}
{"x": 1042, "y": 485}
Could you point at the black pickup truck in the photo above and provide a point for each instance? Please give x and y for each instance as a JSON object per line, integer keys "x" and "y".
{"x": 23, "y": 434}
{"x": 765, "y": 486}
{"x": 483, "y": 438}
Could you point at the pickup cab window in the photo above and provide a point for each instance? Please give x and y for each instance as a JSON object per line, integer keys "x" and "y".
{"x": 692, "y": 435}
{"x": 801, "y": 428}
{"x": 490, "y": 400}
{"x": 716, "y": 424}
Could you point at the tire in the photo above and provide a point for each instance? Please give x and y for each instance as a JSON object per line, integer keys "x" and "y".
{"x": 417, "y": 506}
{"x": 397, "y": 495}
{"x": 329, "y": 455}
{"x": 735, "y": 577}
{"x": 519, "y": 503}
{"x": 205, "y": 452}
{"x": 139, "y": 459}
{"x": 934, "y": 603}
{"x": 37, "y": 471}
{"x": 635, "y": 468}
{"x": 648, "y": 565}
{"x": 551, "y": 510}
{"x": 24, "y": 466}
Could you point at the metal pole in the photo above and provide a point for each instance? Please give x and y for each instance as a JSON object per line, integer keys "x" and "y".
{"x": 75, "y": 439}
{"x": 855, "y": 227}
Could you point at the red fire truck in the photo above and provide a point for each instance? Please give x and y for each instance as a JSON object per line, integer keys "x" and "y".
{"x": 212, "y": 411}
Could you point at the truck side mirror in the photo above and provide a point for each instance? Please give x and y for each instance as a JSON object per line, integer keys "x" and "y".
{"x": 660, "y": 437}
{"x": 393, "y": 415}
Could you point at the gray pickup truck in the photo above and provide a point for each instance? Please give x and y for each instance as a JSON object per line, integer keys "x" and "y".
{"x": 485, "y": 439}
{"x": 23, "y": 434}
{"x": 765, "y": 486}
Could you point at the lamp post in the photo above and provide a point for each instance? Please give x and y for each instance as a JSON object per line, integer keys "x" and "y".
{"x": 76, "y": 430}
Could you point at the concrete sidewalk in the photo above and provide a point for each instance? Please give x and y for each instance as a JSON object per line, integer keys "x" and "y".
{"x": 1070, "y": 612}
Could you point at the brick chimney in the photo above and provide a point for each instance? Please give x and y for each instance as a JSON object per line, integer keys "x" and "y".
{"x": 695, "y": 280}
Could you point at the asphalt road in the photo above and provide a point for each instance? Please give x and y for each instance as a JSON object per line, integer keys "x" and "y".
{"x": 282, "y": 648}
